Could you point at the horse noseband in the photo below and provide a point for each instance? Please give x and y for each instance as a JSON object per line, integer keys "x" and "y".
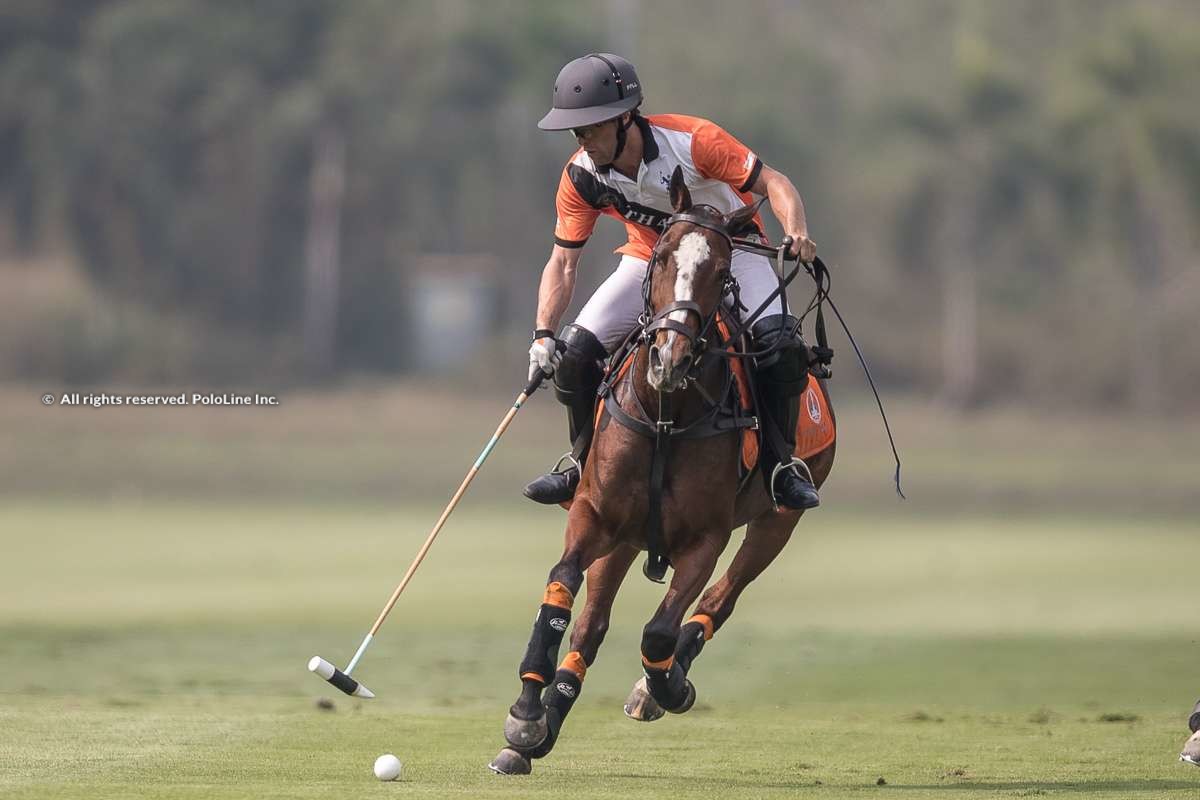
{"x": 662, "y": 321}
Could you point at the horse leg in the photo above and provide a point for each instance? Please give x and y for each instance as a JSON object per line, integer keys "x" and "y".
{"x": 603, "y": 580}
{"x": 665, "y": 682}
{"x": 526, "y": 727}
{"x": 765, "y": 539}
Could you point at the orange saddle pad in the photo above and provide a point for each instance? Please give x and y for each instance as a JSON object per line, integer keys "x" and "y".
{"x": 815, "y": 429}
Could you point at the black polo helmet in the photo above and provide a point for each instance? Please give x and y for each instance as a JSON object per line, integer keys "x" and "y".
{"x": 592, "y": 89}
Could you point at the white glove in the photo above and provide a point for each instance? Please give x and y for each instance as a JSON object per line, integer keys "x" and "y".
{"x": 543, "y": 356}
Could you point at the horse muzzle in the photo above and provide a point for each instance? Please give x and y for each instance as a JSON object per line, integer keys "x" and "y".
{"x": 666, "y": 373}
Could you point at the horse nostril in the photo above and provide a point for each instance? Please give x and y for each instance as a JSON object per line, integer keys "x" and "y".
{"x": 655, "y": 359}
{"x": 685, "y": 364}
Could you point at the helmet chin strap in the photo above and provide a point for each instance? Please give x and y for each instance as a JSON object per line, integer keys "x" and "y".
{"x": 621, "y": 136}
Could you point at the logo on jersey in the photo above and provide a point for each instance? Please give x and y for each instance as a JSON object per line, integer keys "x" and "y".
{"x": 663, "y": 179}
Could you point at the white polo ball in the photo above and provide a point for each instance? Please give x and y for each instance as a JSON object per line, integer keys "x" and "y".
{"x": 387, "y": 767}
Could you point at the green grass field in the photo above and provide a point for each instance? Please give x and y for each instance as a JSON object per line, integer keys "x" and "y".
{"x": 154, "y": 649}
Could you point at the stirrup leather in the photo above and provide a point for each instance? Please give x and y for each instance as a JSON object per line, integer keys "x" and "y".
{"x": 780, "y": 467}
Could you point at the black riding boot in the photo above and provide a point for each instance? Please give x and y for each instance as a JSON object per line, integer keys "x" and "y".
{"x": 780, "y": 379}
{"x": 791, "y": 485}
{"x": 576, "y": 382}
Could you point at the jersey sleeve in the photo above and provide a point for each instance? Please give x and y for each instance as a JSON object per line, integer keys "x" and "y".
{"x": 576, "y": 218}
{"x": 719, "y": 156}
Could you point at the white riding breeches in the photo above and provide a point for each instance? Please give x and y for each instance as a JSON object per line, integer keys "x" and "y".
{"x": 612, "y": 312}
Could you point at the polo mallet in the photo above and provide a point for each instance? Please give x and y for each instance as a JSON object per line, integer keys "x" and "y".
{"x": 342, "y": 680}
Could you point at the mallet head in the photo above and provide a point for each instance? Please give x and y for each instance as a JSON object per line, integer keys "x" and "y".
{"x": 338, "y": 678}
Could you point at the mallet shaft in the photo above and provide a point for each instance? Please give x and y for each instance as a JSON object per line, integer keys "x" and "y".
{"x": 471, "y": 473}
{"x": 342, "y": 680}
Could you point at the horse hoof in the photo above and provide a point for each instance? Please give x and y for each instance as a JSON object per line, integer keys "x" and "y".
{"x": 525, "y": 734}
{"x": 510, "y": 762}
{"x": 688, "y": 701}
{"x": 1191, "y": 750}
{"x": 641, "y": 706}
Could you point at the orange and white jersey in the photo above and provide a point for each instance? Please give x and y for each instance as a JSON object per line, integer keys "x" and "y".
{"x": 717, "y": 169}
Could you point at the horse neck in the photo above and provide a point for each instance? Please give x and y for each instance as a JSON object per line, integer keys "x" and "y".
{"x": 685, "y": 405}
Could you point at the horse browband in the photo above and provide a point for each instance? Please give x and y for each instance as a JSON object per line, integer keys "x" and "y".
{"x": 695, "y": 219}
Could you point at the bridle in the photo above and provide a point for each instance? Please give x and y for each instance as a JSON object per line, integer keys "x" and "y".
{"x": 699, "y": 342}
{"x": 653, "y": 321}
{"x": 662, "y": 430}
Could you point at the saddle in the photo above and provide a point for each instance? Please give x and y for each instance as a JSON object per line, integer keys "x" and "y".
{"x": 815, "y": 426}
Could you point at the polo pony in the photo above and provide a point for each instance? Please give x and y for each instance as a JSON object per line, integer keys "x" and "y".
{"x": 675, "y": 385}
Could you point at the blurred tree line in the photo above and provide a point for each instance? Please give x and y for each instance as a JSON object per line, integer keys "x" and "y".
{"x": 1008, "y": 192}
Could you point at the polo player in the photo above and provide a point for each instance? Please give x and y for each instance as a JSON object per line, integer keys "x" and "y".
{"x": 622, "y": 169}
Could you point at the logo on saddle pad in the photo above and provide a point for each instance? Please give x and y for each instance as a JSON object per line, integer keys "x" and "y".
{"x": 813, "y": 405}
{"x": 559, "y": 624}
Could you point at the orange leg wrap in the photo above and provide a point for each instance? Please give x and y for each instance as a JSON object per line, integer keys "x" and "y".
{"x": 666, "y": 663}
{"x": 574, "y": 662}
{"x": 558, "y": 595}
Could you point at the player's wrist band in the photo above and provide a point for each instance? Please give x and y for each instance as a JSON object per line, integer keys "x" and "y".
{"x": 543, "y": 333}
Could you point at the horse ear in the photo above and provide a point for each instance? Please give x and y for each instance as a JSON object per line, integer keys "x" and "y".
{"x": 681, "y": 198}
{"x": 735, "y": 220}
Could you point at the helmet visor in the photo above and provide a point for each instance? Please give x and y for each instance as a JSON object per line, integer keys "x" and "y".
{"x": 562, "y": 119}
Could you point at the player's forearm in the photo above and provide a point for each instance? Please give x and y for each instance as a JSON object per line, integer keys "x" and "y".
{"x": 555, "y": 291}
{"x": 787, "y": 205}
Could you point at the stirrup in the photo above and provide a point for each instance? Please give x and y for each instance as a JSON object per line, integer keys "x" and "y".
{"x": 573, "y": 462}
{"x": 780, "y": 467}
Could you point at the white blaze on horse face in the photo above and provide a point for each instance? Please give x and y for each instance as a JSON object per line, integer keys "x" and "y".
{"x": 693, "y": 250}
